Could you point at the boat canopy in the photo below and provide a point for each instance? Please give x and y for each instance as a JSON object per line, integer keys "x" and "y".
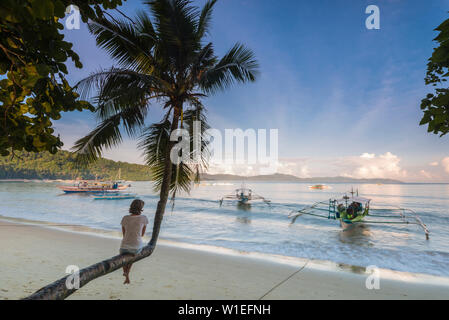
{"x": 243, "y": 190}
{"x": 354, "y": 199}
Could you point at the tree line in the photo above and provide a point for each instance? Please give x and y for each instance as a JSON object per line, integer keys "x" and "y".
{"x": 63, "y": 165}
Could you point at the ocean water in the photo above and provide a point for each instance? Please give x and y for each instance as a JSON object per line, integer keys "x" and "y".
{"x": 197, "y": 218}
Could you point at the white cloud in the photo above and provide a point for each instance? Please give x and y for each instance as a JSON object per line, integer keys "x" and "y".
{"x": 305, "y": 171}
{"x": 368, "y": 155}
{"x": 445, "y": 164}
{"x": 426, "y": 174}
{"x": 365, "y": 166}
{"x": 296, "y": 167}
{"x": 368, "y": 165}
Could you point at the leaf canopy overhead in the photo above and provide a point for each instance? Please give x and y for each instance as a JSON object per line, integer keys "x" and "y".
{"x": 435, "y": 106}
{"x": 33, "y": 56}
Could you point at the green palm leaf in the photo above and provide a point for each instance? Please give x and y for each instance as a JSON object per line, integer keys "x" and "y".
{"x": 124, "y": 42}
{"x": 205, "y": 19}
{"x": 238, "y": 65}
{"x": 107, "y": 134}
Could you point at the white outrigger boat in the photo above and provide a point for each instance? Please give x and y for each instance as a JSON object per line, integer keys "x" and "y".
{"x": 244, "y": 196}
{"x": 97, "y": 186}
{"x": 353, "y": 210}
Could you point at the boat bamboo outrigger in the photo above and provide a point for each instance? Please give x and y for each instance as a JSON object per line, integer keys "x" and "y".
{"x": 353, "y": 210}
{"x": 115, "y": 196}
{"x": 244, "y": 196}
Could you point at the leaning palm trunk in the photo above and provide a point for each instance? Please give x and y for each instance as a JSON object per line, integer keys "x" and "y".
{"x": 165, "y": 187}
{"x": 58, "y": 290}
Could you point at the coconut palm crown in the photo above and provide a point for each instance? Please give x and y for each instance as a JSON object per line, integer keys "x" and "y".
{"x": 163, "y": 59}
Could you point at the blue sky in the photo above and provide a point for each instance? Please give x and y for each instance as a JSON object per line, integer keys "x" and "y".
{"x": 344, "y": 98}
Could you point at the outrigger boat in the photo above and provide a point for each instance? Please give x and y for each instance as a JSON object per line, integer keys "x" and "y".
{"x": 244, "y": 196}
{"x": 353, "y": 210}
{"x": 95, "y": 187}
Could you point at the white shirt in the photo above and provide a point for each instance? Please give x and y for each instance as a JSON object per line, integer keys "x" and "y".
{"x": 133, "y": 225}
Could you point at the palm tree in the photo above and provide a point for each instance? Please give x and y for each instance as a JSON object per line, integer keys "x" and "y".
{"x": 163, "y": 59}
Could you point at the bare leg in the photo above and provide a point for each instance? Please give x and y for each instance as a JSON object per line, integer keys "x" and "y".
{"x": 127, "y": 275}
{"x": 126, "y": 270}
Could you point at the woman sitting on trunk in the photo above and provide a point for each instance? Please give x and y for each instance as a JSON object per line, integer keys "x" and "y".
{"x": 133, "y": 228}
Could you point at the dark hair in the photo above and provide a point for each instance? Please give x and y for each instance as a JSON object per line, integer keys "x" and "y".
{"x": 136, "y": 206}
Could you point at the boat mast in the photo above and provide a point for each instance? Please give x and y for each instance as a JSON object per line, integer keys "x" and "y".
{"x": 352, "y": 192}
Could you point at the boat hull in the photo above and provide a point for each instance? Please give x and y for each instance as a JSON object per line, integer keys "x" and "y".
{"x": 120, "y": 197}
{"x": 346, "y": 224}
{"x": 91, "y": 189}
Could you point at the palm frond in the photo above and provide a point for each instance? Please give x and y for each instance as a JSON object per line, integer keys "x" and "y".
{"x": 123, "y": 41}
{"x": 155, "y": 142}
{"x": 199, "y": 161}
{"x": 107, "y": 134}
{"x": 121, "y": 89}
{"x": 204, "y": 60}
{"x": 145, "y": 26}
{"x": 176, "y": 23}
{"x": 238, "y": 65}
{"x": 124, "y": 77}
{"x": 205, "y": 19}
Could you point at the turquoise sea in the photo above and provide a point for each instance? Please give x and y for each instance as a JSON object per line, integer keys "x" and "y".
{"x": 198, "y": 219}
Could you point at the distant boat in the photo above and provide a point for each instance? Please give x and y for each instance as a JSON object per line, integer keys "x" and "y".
{"x": 319, "y": 187}
{"x": 95, "y": 187}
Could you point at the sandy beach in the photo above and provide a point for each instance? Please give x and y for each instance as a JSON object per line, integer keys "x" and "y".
{"x": 35, "y": 255}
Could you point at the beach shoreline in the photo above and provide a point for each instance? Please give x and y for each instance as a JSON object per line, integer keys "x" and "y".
{"x": 42, "y": 252}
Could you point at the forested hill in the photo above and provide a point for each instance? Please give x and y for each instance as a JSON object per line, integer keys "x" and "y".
{"x": 62, "y": 166}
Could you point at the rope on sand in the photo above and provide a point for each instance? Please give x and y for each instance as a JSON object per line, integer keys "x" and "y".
{"x": 283, "y": 281}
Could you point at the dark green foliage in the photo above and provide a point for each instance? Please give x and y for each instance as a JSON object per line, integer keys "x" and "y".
{"x": 33, "y": 56}
{"x": 436, "y": 105}
{"x": 62, "y": 165}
